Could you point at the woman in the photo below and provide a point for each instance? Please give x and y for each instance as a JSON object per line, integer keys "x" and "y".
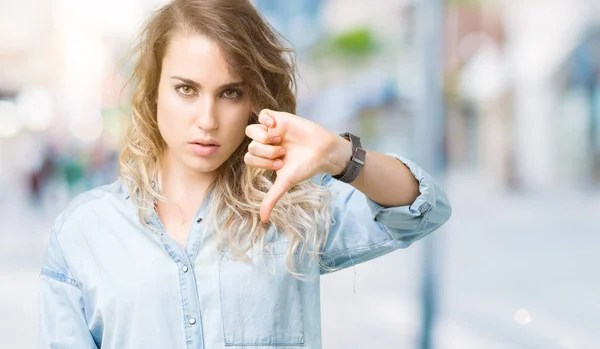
{"x": 228, "y": 208}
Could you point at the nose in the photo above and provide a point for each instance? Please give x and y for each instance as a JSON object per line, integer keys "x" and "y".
{"x": 207, "y": 114}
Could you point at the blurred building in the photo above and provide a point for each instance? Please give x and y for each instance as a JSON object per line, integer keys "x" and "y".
{"x": 578, "y": 83}
{"x": 504, "y": 104}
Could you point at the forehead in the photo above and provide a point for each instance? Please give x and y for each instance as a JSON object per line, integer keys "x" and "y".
{"x": 196, "y": 57}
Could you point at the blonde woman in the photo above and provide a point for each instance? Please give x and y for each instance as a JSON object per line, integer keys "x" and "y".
{"x": 228, "y": 207}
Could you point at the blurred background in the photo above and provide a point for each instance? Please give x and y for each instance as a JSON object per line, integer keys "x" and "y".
{"x": 499, "y": 99}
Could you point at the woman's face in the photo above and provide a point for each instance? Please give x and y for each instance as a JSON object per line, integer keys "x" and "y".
{"x": 200, "y": 101}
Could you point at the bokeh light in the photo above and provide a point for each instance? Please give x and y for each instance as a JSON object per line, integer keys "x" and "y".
{"x": 522, "y": 317}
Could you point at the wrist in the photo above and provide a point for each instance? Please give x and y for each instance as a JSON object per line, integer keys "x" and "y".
{"x": 339, "y": 155}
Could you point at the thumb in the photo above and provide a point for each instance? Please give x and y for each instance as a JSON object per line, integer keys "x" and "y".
{"x": 279, "y": 188}
{"x": 275, "y": 121}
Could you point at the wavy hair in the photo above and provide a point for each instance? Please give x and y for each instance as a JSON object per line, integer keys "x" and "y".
{"x": 253, "y": 50}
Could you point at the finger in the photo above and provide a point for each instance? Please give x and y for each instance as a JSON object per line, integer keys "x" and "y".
{"x": 279, "y": 188}
{"x": 265, "y": 118}
{"x": 268, "y": 164}
{"x": 276, "y": 121}
{"x": 265, "y": 150}
{"x": 260, "y": 133}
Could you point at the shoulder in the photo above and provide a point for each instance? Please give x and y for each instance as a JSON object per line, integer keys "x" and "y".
{"x": 69, "y": 227}
{"x": 88, "y": 204}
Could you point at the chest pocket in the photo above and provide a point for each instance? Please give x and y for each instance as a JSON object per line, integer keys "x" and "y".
{"x": 260, "y": 305}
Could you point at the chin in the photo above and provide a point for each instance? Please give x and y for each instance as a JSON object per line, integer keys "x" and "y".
{"x": 204, "y": 164}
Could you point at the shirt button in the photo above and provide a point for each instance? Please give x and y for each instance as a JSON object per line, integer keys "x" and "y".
{"x": 199, "y": 220}
{"x": 192, "y": 321}
{"x": 184, "y": 268}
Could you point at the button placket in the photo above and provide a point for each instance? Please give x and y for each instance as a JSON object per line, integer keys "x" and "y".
{"x": 189, "y": 295}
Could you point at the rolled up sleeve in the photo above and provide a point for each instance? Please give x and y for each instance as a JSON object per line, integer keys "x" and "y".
{"x": 362, "y": 229}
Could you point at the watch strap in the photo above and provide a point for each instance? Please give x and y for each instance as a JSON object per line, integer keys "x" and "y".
{"x": 357, "y": 160}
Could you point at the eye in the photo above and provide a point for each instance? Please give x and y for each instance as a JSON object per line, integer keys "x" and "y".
{"x": 232, "y": 94}
{"x": 185, "y": 90}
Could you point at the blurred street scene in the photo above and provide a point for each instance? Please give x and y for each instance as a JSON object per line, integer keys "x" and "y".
{"x": 500, "y": 99}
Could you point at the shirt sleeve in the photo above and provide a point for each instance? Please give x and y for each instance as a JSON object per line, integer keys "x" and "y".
{"x": 362, "y": 229}
{"x": 60, "y": 299}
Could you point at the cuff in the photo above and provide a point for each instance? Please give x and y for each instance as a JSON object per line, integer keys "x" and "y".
{"x": 420, "y": 207}
{"x": 422, "y": 204}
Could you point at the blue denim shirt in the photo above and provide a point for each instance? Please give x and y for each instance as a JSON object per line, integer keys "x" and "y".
{"x": 109, "y": 282}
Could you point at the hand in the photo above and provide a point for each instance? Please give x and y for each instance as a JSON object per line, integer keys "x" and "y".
{"x": 294, "y": 147}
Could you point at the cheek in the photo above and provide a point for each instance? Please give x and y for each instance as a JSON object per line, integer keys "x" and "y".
{"x": 169, "y": 112}
{"x": 168, "y": 127}
{"x": 237, "y": 120}
{"x": 162, "y": 114}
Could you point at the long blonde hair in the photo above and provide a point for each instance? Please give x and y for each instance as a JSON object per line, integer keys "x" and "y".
{"x": 254, "y": 51}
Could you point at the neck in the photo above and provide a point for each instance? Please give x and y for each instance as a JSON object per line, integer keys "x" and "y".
{"x": 183, "y": 185}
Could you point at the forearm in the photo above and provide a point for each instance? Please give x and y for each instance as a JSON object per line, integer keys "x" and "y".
{"x": 383, "y": 179}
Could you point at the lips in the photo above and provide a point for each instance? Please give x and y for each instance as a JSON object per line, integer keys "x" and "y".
{"x": 205, "y": 142}
{"x": 203, "y": 150}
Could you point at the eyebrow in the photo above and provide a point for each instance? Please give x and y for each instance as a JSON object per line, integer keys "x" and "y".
{"x": 234, "y": 84}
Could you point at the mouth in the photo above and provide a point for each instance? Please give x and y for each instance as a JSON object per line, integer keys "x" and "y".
{"x": 204, "y": 147}
{"x": 205, "y": 143}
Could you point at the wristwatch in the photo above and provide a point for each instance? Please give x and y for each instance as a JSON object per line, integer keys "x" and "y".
{"x": 357, "y": 160}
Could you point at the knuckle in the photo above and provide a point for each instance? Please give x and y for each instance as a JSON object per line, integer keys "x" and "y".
{"x": 266, "y": 138}
{"x": 275, "y": 152}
